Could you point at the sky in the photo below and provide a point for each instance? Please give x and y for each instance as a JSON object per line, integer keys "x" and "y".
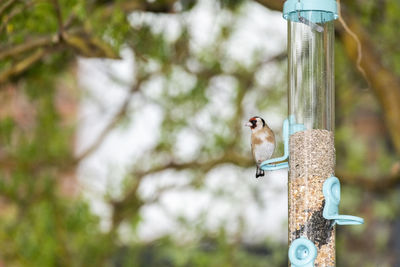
{"x": 103, "y": 172}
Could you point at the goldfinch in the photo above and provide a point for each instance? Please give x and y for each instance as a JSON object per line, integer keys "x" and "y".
{"x": 262, "y": 142}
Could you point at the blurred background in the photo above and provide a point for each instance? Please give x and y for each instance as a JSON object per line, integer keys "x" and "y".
{"x": 122, "y": 140}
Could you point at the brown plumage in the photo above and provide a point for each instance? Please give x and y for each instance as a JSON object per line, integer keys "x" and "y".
{"x": 262, "y": 142}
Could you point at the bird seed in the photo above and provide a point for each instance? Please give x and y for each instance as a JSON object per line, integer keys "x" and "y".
{"x": 311, "y": 162}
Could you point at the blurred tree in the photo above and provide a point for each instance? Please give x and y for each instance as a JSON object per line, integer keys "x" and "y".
{"x": 45, "y": 222}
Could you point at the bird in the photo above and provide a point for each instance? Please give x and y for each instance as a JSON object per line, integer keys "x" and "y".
{"x": 262, "y": 142}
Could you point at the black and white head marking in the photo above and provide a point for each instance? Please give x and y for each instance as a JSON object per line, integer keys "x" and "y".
{"x": 255, "y": 121}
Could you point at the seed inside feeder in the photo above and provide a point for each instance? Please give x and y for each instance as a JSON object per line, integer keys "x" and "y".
{"x": 312, "y": 161}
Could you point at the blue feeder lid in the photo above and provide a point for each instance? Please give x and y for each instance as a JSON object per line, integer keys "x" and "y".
{"x": 323, "y": 10}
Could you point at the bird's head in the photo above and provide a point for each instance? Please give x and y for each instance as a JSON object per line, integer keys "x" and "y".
{"x": 255, "y": 123}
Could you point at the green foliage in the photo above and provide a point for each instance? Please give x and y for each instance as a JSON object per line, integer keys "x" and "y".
{"x": 40, "y": 225}
{"x": 48, "y": 233}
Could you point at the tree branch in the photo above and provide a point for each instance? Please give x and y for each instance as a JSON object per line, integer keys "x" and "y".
{"x": 89, "y": 46}
{"x": 6, "y": 5}
{"x": 130, "y": 202}
{"x": 27, "y": 46}
{"x": 57, "y": 9}
{"x": 22, "y": 65}
{"x": 130, "y": 6}
{"x": 275, "y": 5}
{"x": 113, "y": 122}
{"x": 384, "y": 83}
{"x": 83, "y": 43}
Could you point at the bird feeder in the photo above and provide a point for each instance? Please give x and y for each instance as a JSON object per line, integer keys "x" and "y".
{"x": 314, "y": 192}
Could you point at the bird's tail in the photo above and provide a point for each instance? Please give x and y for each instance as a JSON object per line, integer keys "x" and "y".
{"x": 259, "y": 172}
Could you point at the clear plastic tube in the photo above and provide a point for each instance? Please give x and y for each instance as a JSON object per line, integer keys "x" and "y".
{"x": 312, "y": 152}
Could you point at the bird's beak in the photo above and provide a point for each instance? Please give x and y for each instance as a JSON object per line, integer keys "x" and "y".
{"x": 248, "y": 124}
